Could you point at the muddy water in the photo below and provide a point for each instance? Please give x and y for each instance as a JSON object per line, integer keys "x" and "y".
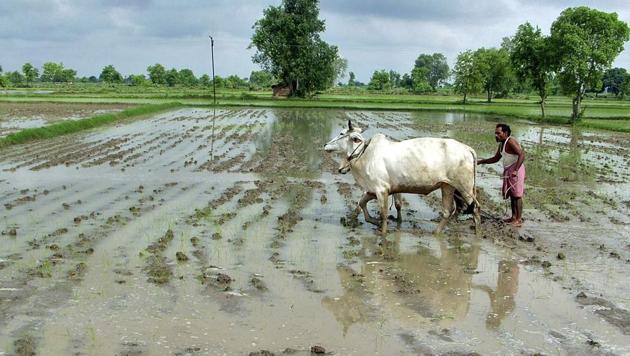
{"x": 229, "y": 232}
{"x": 18, "y": 116}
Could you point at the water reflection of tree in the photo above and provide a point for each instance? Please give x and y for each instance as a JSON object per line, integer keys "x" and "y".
{"x": 570, "y": 165}
{"x": 292, "y": 147}
{"x": 440, "y": 288}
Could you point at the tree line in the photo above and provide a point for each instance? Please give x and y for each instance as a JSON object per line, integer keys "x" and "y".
{"x": 574, "y": 59}
{"x": 157, "y": 74}
{"x": 576, "y": 56}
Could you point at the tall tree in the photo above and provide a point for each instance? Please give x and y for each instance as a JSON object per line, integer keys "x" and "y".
{"x": 110, "y": 75}
{"x": 532, "y": 60}
{"x": 351, "y": 79}
{"x": 380, "y": 80}
{"x": 420, "y": 82}
{"x": 496, "y": 71}
{"x": 172, "y": 77}
{"x": 340, "y": 66}
{"x": 157, "y": 74}
{"x": 288, "y": 44}
{"x": 30, "y": 73}
{"x": 468, "y": 78}
{"x": 432, "y": 69}
{"x": 625, "y": 88}
{"x": 261, "y": 79}
{"x": 585, "y": 42}
{"x": 614, "y": 79}
{"x": 205, "y": 80}
{"x": 16, "y": 78}
{"x": 187, "y": 77}
{"x": 136, "y": 79}
{"x": 52, "y": 72}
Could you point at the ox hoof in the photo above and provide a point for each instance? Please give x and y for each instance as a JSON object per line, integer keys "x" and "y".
{"x": 373, "y": 221}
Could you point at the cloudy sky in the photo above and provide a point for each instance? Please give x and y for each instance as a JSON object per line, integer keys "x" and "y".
{"x": 87, "y": 35}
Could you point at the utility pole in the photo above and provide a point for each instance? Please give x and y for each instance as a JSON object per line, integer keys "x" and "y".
{"x": 214, "y": 95}
{"x": 214, "y": 89}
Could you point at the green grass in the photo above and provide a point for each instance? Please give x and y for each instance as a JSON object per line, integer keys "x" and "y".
{"x": 600, "y": 113}
{"x": 71, "y": 126}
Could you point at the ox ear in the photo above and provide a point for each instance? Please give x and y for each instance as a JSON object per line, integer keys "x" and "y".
{"x": 349, "y": 125}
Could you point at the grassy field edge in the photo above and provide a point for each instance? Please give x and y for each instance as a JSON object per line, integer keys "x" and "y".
{"x": 72, "y": 126}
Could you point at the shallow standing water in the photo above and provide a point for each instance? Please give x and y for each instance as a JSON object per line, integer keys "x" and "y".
{"x": 229, "y": 232}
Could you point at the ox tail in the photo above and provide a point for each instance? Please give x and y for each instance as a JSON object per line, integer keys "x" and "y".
{"x": 460, "y": 201}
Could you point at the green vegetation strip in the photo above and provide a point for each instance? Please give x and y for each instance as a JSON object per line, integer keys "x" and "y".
{"x": 71, "y": 126}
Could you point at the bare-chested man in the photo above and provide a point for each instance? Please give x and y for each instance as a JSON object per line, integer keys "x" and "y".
{"x": 513, "y": 171}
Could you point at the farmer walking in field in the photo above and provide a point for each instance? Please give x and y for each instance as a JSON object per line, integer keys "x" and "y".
{"x": 513, "y": 171}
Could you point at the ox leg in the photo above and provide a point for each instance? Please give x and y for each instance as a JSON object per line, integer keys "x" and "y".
{"x": 363, "y": 204}
{"x": 398, "y": 204}
{"x": 448, "y": 206}
{"x": 477, "y": 218}
{"x": 382, "y": 198}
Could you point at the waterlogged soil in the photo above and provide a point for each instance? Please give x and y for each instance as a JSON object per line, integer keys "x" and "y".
{"x": 230, "y": 232}
{"x": 17, "y": 116}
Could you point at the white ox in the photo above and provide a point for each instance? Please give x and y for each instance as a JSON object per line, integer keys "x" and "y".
{"x": 421, "y": 165}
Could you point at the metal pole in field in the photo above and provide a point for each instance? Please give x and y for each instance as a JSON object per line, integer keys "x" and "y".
{"x": 214, "y": 107}
{"x": 214, "y": 90}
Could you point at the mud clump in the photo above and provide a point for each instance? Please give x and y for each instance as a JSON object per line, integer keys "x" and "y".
{"x": 78, "y": 271}
{"x": 25, "y": 346}
{"x": 156, "y": 267}
{"x": 194, "y": 241}
{"x": 258, "y": 284}
{"x": 561, "y": 256}
{"x": 158, "y": 270}
{"x": 217, "y": 236}
{"x": 10, "y": 232}
{"x": 220, "y": 281}
{"x": 261, "y": 353}
{"x": 318, "y": 350}
{"x": 181, "y": 257}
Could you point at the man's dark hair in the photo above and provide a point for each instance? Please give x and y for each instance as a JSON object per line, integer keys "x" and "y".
{"x": 505, "y": 128}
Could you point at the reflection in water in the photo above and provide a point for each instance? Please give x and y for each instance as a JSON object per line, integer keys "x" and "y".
{"x": 293, "y": 146}
{"x": 352, "y": 307}
{"x": 502, "y": 299}
{"x": 433, "y": 284}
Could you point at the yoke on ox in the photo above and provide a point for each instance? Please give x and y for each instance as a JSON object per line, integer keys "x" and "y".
{"x": 421, "y": 165}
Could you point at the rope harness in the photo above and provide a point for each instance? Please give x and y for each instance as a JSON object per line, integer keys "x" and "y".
{"x": 354, "y": 155}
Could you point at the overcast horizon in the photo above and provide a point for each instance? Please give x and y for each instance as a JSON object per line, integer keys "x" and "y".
{"x": 371, "y": 35}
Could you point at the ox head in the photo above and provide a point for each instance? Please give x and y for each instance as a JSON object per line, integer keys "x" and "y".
{"x": 348, "y": 142}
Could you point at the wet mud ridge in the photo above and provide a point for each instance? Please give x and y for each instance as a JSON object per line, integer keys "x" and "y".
{"x": 231, "y": 232}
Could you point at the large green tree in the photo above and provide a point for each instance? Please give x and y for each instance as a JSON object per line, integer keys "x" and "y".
{"x": 380, "y": 80}
{"x": 614, "y": 79}
{"x": 468, "y": 77}
{"x": 288, "y": 45}
{"x": 533, "y": 60}
{"x": 261, "y": 79}
{"x": 172, "y": 77}
{"x": 57, "y": 73}
{"x": 110, "y": 75}
{"x": 187, "y": 77}
{"x": 495, "y": 68}
{"x": 586, "y": 42}
{"x": 30, "y": 73}
{"x": 157, "y": 74}
{"x": 431, "y": 69}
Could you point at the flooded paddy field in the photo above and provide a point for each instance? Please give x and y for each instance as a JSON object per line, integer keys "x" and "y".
{"x": 17, "y": 116}
{"x": 231, "y": 232}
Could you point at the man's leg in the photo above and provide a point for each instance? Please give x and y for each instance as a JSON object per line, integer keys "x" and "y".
{"x": 518, "y": 209}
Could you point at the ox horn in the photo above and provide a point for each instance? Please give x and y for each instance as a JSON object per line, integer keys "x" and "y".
{"x": 349, "y": 125}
